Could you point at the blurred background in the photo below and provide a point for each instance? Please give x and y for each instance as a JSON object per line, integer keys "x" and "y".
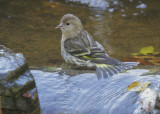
{"x": 128, "y": 29}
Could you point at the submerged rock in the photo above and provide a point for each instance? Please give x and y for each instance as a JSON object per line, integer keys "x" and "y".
{"x": 18, "y": 93}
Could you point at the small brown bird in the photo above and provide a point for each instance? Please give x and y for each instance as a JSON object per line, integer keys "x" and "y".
{"x": 78, "y": 47}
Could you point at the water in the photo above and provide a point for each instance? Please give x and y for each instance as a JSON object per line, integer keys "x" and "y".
{"x": 122, "y": 27}
{"x": 128, "y": 30}
{"x": 85, "y": 94}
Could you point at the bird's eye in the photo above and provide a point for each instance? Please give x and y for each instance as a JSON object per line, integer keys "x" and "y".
{"x": 67, "y": 23}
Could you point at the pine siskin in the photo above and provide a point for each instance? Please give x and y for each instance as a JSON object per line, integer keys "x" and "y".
{"x": 78, "y": 47}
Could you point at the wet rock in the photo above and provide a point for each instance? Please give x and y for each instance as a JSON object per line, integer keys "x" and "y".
{"x": 148, "y": 99}
{"x": 18, "y": 93}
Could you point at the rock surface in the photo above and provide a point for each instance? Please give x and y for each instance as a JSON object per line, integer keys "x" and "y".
{"x": 18, "y": 93}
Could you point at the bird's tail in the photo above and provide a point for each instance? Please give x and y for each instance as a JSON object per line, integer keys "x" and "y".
{"x": 105, "y": 70}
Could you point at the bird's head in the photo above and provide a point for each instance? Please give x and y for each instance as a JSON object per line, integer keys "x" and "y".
{"x": 70, "y": 25}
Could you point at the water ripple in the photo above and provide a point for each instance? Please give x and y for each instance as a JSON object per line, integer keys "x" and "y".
{"x": 86, "y": 94}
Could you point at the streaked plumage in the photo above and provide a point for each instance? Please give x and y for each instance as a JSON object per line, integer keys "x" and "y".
{"x": 78, "y": 47}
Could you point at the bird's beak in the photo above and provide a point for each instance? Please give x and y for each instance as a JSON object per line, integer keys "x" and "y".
{"x": 59, "y": 26}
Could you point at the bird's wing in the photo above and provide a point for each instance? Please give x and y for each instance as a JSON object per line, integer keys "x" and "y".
{"x": 84, "y": 47}
{"x": 79, "y": 48}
